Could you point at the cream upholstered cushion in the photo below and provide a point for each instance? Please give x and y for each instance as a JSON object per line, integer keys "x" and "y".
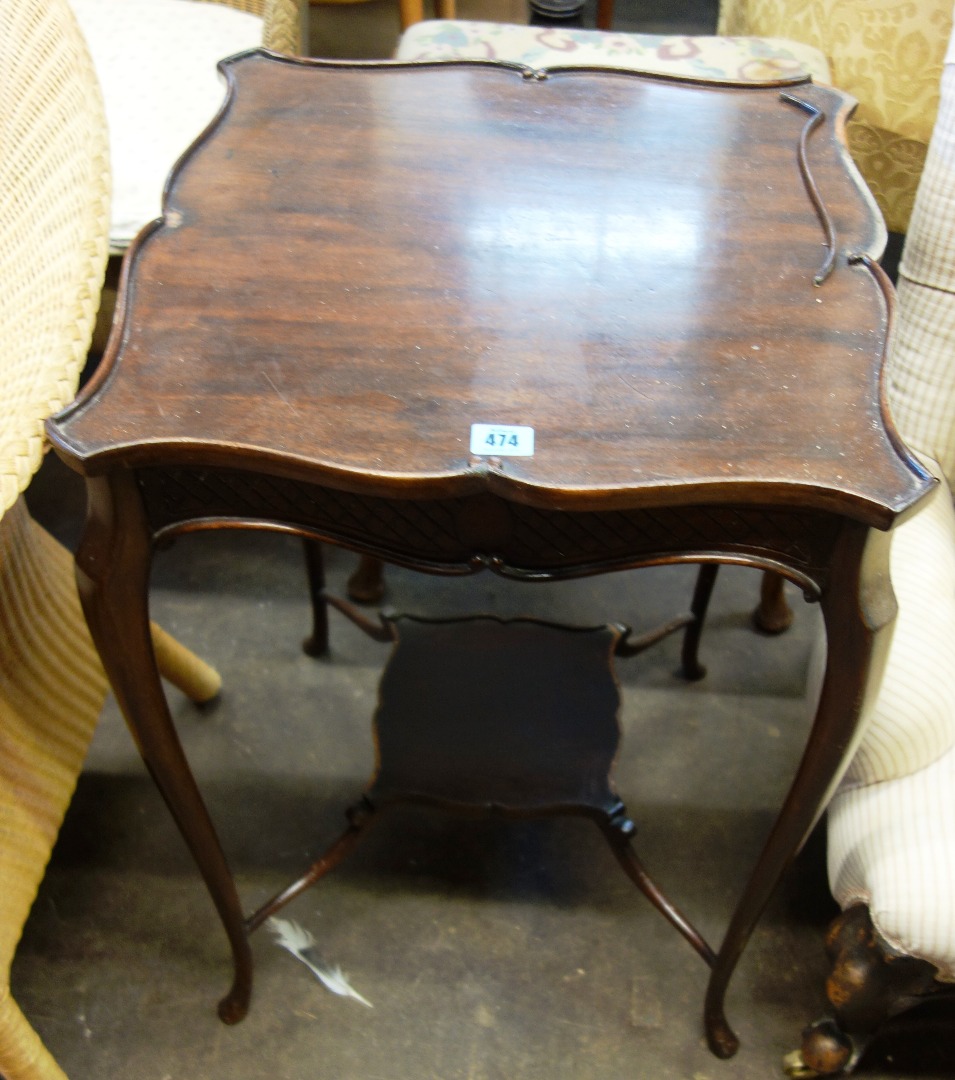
{"x": 748, "y": 60}
{"x": 912, "y": 722}
{"x": 156, "y": 63}
{"x": 891, "y": 824}
{"x": 887, "y": 54}
{"x": 892, "y": 847}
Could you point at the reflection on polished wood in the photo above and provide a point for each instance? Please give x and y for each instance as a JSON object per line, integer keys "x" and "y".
{"x": 672, "y": 283}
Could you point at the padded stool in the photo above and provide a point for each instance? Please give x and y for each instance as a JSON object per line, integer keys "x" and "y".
{"x": 722, "y": 59}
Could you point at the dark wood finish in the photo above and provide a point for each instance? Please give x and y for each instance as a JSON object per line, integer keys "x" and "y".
{"x": 773, "y": 615}
{"x": 513, "y": 717}
{"x": 316, "y": 644}
{"x": 869, "y": 984}
{"x": 671, "y": 282}
{"x": 366, "y": 585}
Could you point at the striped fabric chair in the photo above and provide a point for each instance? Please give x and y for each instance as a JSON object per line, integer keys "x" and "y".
{"x": 54, "y": 215}
{"x": 891, "y": 825}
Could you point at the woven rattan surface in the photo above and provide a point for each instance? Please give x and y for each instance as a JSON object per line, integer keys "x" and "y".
{"x": 54, "y": 209}
{"x": 52, "y": 688}
{"x": 283, "y": 22}
{"x": 54, "y": 213}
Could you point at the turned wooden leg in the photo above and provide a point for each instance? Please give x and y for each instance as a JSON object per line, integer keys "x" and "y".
{"x": 866, "y": 986}
{"x": 112, "y": 573}
{"x": 691, "y": 667}
{"x": 604, "y": 14}
{"x": 316, "y": 644}
{"x": 410, "y": 12}
{"x": 367, "y": 583}
{"x": 773, "y": 615}
{"x": 857, "y": 606}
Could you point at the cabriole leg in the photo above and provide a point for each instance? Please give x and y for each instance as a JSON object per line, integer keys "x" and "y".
{"x": 112, "y": 571}
{"x": 857, "y": 607}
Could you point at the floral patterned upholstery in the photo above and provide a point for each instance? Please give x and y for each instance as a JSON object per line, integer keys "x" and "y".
{"x": 747, "y": 60}
{"x": 886, "y": 53}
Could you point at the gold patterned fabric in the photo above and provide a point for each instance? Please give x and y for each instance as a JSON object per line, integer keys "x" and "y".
{"x": 887, "y": 54}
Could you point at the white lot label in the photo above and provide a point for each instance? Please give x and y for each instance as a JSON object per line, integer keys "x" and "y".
{"x": 502, "y": 440}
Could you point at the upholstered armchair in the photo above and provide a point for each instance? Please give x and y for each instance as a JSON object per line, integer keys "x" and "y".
{"x": 891, "y": 825}
{"x": 54, "y": 215}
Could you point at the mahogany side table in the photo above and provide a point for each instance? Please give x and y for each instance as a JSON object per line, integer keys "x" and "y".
{"x": 468, "y": 315}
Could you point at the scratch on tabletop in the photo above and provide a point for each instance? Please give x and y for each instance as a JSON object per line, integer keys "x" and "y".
{"x": 629, "y": 385}
{"x": 281, "y": 396}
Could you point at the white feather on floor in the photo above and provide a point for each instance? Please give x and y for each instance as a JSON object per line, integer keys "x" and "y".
{"x": 300, "y": 943}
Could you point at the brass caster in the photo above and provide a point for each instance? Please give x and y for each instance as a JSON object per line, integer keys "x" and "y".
{"x": 795, "y": 1066}
{"x": 827, "y": 1050}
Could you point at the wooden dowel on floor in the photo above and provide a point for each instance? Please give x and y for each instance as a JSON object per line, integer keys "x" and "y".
{"x": 198, "y": 680}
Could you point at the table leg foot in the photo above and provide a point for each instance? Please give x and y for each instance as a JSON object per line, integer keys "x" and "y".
{"x": 857, "y": 606}
{"x": 112, "y": 574}
{"x": 720, "y": 1037}
{"x": 234, "y": 1006}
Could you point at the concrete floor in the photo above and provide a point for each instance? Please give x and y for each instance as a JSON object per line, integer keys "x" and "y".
{"x": 489, "y": 950}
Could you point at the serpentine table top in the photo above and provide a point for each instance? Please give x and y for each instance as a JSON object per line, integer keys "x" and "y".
{"x": 466, "y": 314}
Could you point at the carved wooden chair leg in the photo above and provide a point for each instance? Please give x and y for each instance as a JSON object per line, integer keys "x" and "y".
{"x": 199, "y": 681}
{"x": 866, "y": 986}
{"x": 367, "y": 583}
{"x": 773, "y": 615}
{"x": 316, "y": 644}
